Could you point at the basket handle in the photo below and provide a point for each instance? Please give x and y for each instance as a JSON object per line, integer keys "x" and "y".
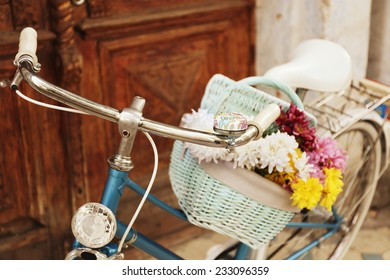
{"x": 265, "y": 81}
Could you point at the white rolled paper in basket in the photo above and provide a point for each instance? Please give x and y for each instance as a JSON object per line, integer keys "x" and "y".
{"x": 250, "y": 184}
{"x": 237, "y": 203}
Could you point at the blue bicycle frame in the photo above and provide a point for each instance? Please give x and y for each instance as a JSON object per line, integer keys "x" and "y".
{"x": 118, "y": 181}
{"x": 332, "y": 229}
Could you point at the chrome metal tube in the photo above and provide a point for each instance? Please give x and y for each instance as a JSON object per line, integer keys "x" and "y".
{"x": 197, "y": 137}
{"x": 66, "y": 97}
{"x": 113, "y": 115}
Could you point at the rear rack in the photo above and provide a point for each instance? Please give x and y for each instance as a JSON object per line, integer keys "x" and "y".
{"x": 336, "y": 112}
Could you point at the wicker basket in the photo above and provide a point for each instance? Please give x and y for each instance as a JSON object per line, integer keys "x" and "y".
{"x": 215, "y": 201}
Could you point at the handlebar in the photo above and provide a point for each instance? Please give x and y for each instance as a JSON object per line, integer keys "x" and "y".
{"x": 28, "y": 66}
{"x": 66, "y": 97}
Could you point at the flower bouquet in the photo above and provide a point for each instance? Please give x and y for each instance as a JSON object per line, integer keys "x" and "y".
{"x": 291, "y": 155}
{"x": 251, "y": 192}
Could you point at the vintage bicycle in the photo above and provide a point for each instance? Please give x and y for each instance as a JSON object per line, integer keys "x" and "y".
{"x": 347, "y": 114}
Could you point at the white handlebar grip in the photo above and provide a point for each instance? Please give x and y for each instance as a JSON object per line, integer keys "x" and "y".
{"x": 265, "y": 118}
{"x": 27, "y": 44}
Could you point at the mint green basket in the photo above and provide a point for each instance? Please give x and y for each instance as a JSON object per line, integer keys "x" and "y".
{"x": 208, "y": 202}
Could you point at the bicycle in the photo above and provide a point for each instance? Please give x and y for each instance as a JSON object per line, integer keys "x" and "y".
{"x": 95, "y": 225}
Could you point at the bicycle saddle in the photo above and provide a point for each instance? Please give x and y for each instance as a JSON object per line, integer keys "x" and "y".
{"x": 315, "y": 64}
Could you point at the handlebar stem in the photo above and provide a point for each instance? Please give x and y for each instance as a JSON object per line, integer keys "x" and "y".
{"x": 128, "y": 126}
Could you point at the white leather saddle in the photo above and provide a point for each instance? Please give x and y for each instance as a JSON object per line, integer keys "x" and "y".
{"x": 315, "y": 64}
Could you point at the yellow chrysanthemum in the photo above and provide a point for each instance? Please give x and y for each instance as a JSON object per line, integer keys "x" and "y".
{"x": 299, "y": 152}
{"x": 294, "y": 157}
{"x": 306, "y": 194}
{"x": 332, "y": 187}
{"x": 281, "y": 178}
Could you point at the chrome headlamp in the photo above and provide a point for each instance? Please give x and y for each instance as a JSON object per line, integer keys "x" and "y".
{"x": 94, "y": 225}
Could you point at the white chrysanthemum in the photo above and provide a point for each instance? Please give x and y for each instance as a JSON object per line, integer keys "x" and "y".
{"x": 303, "y": 166}
{"x": 203, "y": 121}
{"x": 275, "y": 151}
{"x": 246, "y": 156}
{"x": 208, "y": 154}
{"x": 199, "y": 120}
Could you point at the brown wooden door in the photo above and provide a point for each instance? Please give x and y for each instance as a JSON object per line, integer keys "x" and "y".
{"x": 34, "y": 195}
{"x": 108, "y": 51}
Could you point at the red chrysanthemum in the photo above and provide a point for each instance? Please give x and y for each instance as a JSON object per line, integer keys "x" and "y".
{"x": 294, "y": 122}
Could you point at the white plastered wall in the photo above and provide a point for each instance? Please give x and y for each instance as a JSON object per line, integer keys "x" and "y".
{"x": 283, "y": 24}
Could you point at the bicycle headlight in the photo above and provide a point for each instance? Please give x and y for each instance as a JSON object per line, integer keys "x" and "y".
{"x": 94, "y": 225}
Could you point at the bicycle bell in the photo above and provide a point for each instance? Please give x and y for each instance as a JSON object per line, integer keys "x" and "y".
{"x": 233, "y": 124}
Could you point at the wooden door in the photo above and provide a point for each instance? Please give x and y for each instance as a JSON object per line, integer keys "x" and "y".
{"x": 109, "y": 51}
{"x": 34, "y": 195}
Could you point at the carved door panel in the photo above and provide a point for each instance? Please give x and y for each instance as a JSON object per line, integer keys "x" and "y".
{"x": 34, "y": 197}
{"x": 108, "y": 51}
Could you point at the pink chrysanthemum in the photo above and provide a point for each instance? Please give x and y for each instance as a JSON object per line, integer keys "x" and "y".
{"x": 328, "y": 155}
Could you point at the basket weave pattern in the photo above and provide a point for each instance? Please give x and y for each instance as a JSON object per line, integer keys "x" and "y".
{"x": 212, "y": 205}
{"x": 207, "y": 202}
